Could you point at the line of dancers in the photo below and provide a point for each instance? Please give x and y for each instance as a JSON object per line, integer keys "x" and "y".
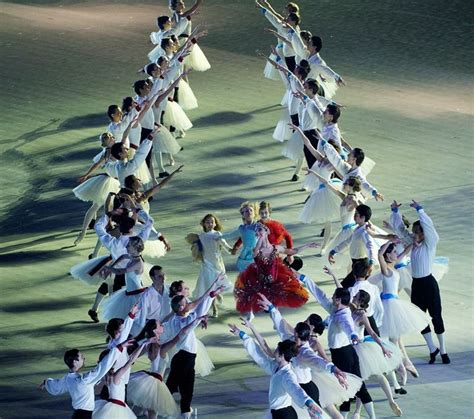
{"x": 147, "y": 315}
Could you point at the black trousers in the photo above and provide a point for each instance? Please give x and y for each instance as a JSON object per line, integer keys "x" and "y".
{"x": 346, "y": 360}
{"x": 82, "y": 414}
{"x": 181, "y": 378}
{"x": 349, "y": 280}
{"x": 312, "y": 390}
{"x": 373, "y": 325}
{"x": 291, "y": 63}
{"x": 425, "y": 294}
{"x": 313, "y": 139}
{"x": 119, "y": 282}
{"x": 284, "y": 413}
{"x": 295, "y": 120}
{"x": 143, "y": 135}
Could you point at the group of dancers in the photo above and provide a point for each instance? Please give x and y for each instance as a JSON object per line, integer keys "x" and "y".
{"x": 146, "y": 315}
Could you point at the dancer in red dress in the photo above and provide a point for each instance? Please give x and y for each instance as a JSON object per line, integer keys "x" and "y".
{"x": 270, "y": 276}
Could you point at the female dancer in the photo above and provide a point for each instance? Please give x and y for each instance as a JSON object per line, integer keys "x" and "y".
{"x": 372, "y": 360}
{"x": 120, "y": 302}
{"x": 270, "y": 276}
{"x": 206, "y": 248}
{"x": 114, "y": 380}
{"x": 322, "y": 205}
{"x": 284, "y": 386}
{"x": 400, "y": 317}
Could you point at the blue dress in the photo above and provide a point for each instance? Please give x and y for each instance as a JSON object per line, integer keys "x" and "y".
{"x": 247, "y": 233}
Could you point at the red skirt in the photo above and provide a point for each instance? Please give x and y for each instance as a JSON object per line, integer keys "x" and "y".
{"x": 283, "y": 290}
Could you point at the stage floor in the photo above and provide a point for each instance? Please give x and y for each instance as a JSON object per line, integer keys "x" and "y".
{"x": 408, "y": 103}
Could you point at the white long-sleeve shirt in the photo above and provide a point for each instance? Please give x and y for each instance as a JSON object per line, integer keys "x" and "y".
{"x": 129, "y": 167}
{"x": 117, "y": 246}
{"x": 288, "y": 51}
{"x": 345, "y": 170}
{"x": 153, "y": 305}
{"x": 307, "y": 359}
{"x": 341, "y": 327}
{"x": 361, "y": 245}
{"x": 118, "y": 128}
{"x": 81, "y": 386}
{"x": 176, "y": 323}
{"x": 422, "y": 254}
{"x": 284, "y": 385}
{"x": 375, "y": 308}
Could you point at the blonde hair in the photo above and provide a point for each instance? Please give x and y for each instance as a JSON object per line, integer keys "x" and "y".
{"x": 196, "y": 246}
{"x": 248, "y": 204}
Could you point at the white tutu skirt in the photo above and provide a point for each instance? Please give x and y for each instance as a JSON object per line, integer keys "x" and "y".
{"x": 118, "y": 305}
{"x": 331, "y": 392}
{"x": 186, "y": 98}
{"x": 372, "y": 360}
{"x": 82, "y": 270}
{"x": 401, "y": 318}
{"x": 271, "y": 72}
{"x": 406, "y": 280}
{"x": 204, "y": 365}
{"x": 322, "y": 205}
{"x": 197, "y": 60}
{"x": 156, "y": 53}
{"x": 164, "y": 142}
{"x": 175, "y": 117}
{"x": 112, "y": 410}
{"x": 143, "y": 173}
{"x": 440, "y": 267}
{"x": 148, "y": 392}
{"x": 284, "y": 100}
{"x": 282, "y": 131}
{"x": 329, "y": 85}
{"x": 96, "y": 189}
{"x": 293, "y": 149}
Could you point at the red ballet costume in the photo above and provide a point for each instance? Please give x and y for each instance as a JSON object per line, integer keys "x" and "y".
{"x": 271, "y": 277}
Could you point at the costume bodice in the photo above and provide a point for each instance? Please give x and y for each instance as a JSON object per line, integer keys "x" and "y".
{"x": 267, "y": 265}
{"x": 390, "y": 283}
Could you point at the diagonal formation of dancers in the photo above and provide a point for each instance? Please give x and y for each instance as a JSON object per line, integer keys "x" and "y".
{"x": 367, "y": 318}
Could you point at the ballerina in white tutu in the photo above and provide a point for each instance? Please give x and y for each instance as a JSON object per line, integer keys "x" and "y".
{"x": 206, "y": 247}
{"x": 376, "y": 358}
{"x": 115, "y": 381}
{"x": 400, "y": 317}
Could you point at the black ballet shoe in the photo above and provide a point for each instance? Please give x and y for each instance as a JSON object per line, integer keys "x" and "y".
{"x": 90, "y": 256}
{"x": 150, "y": 199}
{"x": 91, "y": 224}
{"x": 181, "y": 149}
{"x": 93, "y": 315}
{"x": 445, "y": 359}
{"x": 295, "y": 178}
{"x": 433, "y": 356}
{"x": 322, "y": 233}
{"x": 400, "y": 390}
{"x": 163, "y": 174}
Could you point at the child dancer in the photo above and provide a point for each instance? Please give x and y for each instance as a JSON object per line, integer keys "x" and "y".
{"x": 206, "y": 248}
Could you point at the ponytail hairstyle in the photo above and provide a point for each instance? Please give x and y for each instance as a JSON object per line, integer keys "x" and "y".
{"x": 335, "y": 145}
{"x": 364, "y": 298}
{"x": 111, "y": 110}
{"x": 359, "y": 155}
{"x": 104, "y": 137}
{"x": 389, "y": 249}
{"x": 354, "y": 182}
{"x": 175, "y": 287}
{"x": 303, "y": 69}
{"x": 316, "y": 321}
{"x": 313, "y": 85}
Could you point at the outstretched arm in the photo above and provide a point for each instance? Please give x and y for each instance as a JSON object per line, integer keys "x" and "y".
{"x": 193, "y": 9}
{"x": 152, "y": 191}
{"x": 260, "y": 339}
{"x": 328, "y": 184}
{"x": 307, "y": 143}
{"x": 329, "y": 271}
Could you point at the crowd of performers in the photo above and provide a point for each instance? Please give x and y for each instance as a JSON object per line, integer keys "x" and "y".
{"x": 146, "y": 314}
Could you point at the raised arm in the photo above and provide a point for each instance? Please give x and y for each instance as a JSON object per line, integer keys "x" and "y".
{"x": 260, "y": 339}
{"x": 55, "y": 386}
{"x": 318, "y": 294}
{"x": 365, "y": 321}
{"x": 93, "y": 168}
{"x": 329, "y": 272}
{"x": 103, "y": 367}
{"x": 133, "y": 357}
{"x": 283, "y": 328}
{"x": 383, "y": 264}
{"x": 329, "y": 185}
{"x": 431, "y": 237}
{"x": 152, "y": 191}
{"x": 306, "y": 141}
{"x": 193, "y": 9}
{"x": 105, "y": 238}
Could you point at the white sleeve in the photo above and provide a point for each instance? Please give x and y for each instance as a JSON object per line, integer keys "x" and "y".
{"x": 258, "y": 356}
{"x": 94, "y": 376}
{"x": 105, "y": 238}
{"x": 318, "y": 294}
{"x": 378, "y": 309}
{"x": 290, "y": 384}
{"x": 56, "y": 386}
{"x": 370, "y": 246}
{"x": 132, "y": 165}
{"x": 230, "y": 235}
{"x": 280, "y": 325}
{"x": 312, "y": 360}
{"x": 148, "y": 224}
{"x": 343, "y": 245}
{"x": 272, "y": 19}
{"x": 314, "y": 111}
{"x": 326, "y": 71}
{"x": 429, "y": 231}
{"x": 127, "y": 327}
{"x": 347, "y": 325}
{"x": 298, "y": 44}
{"x": 335, "y": 159}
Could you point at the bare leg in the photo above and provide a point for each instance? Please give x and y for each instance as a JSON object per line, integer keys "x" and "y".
{"x": 358, "y": 409}
{"x": 97, "y": 247}
{"x": 333, "y": 412}
{"x": 90, "y": 215}
{"x": 388, "y": 392}
{"x": 327, "y": 237}
{"x": 406, "y": 360}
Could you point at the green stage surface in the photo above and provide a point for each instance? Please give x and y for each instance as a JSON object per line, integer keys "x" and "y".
{"x": 408, "y": 103}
